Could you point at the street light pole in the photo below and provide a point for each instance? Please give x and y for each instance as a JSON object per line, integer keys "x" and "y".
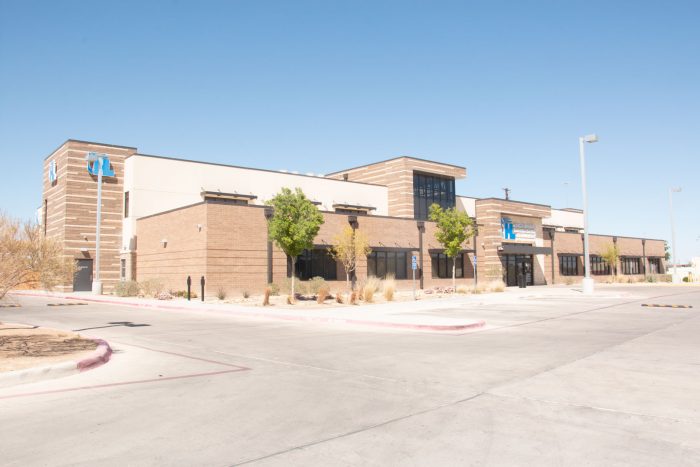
{"x": 587, "y": 283}
{"x": 674, "y": 278}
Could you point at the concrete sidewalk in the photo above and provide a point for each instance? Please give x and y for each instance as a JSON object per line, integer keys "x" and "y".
{"x": 387, "y": 315}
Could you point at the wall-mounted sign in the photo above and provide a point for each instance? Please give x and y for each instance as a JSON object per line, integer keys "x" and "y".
{"x": 517, "y": 230}
{"x": 52, "y": 172}
{"x": 93, "y": 167}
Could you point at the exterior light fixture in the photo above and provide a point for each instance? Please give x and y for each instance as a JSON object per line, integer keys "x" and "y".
{"x": 164, "y": 242}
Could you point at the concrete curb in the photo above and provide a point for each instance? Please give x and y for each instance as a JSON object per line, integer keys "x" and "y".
{"x": 98, "y": 357}
{"x": 277, "y": 315}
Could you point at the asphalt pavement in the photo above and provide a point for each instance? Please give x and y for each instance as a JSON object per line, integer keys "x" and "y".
{"x": 554, "y": 378}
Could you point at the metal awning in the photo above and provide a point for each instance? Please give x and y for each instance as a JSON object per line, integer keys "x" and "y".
{"x": 220, "y": 195}
{"x": 354, "y": 207}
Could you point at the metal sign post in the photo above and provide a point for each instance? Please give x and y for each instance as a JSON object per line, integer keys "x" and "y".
{"x": 414, "y": 266}
{"x": 475, "y": 276}
{"x": 100, "y": 167}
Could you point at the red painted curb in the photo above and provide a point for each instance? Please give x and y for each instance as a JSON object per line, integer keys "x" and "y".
{"x": 318, "y": 319}
{"x": 99, "y": 356}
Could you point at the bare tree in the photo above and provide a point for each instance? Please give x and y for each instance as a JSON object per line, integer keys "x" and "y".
{"x": 28, "y": 258}
{"x": 348, "y": 247}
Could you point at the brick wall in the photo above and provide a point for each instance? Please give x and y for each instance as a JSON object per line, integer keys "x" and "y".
{"x": 71, "y": 205}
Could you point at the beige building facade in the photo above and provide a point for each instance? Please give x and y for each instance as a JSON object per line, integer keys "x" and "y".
{"x": 171, "y": 219}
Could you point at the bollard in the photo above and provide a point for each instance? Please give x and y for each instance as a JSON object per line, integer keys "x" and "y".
{"x": 201, "y": 281}
{"x": 189, "y": 285}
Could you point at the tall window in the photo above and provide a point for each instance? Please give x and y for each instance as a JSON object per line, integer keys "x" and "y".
{"x": 442, "y": 265}
{"x": 568, "y": 265}
{"x": 599, "y": 267}
{"x": 384, "y": 263}
{"x": 126, "y": 204}
{"x": 122, "y": 269}
{"x": 631, "y": 265}
{"x": 314, "y": 263}
{"x": 429, "y": 189}
{"x": 655, "y": 266}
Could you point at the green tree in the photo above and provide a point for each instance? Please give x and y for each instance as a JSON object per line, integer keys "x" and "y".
{"x": 454, "y": 228}
{"x": 294, "y": 224}
{"x": 349, "y": 245}
{"x": 610, "y": 256}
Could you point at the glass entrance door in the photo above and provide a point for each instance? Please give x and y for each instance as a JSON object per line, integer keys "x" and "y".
{"x": 514, "y": 265}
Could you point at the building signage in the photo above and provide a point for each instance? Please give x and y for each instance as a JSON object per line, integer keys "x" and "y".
{"x": 52, "y": 172}
{"x": 94, "y": 166}
{"x": 517, "y": 230}
{"x": 414, "y": 262}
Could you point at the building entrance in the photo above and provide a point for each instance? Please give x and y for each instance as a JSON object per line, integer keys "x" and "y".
{"x": 82, "y": 281}
{"x": 514, "y": 265}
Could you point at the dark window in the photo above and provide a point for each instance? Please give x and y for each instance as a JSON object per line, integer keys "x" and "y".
{"x": 314, "y": 263}
{"x": 655, "y": 266}
{"x": 442, "y": 265}
{"x": 126, "y": 204}
{"x": 384, "y": 263}
{"x": 568, "y": 265}
{"x": 599, "y": 267}
{"x": 572, "y": 230}
{"x": 431, "y": 189}
{"x": 122, "y": 269}
{"x": 631, "y": 265}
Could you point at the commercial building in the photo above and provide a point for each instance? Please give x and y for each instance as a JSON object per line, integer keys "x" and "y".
{"x": 171, "y": 218}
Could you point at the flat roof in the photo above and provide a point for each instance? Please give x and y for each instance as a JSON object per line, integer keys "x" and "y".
{"x": 70, "y": 140}
{"x": 396, "y": 158}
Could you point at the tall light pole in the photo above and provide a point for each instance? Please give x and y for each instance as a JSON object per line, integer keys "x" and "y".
{"x": 97, "y": 160}
{"x": 672, "y": 190}
{"x": 587, "y": 283}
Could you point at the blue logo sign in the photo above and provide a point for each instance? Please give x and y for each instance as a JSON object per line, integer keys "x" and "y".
{"x": 414, "y": 262}
{"x": 508, "y": 230}
{"x": 52, "y": 172}
{"x": 93, "y": 167}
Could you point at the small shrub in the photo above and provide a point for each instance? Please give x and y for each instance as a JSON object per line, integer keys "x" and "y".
{"x": 482, "y": 287}
{"x": 568, "y": 281}
{"x": 290, "y": 300}
{"x": 463, "y": 289}
{"x": 370, "y": 288}
{"x": 389, "y": 288}
{"x": 497, "y": 286}
{"x": 353, "y": 298}
{"x": 314, "y": 285}
{"x": 339, "y": 298}
{"x": 686, "y": 279}
{"x": 274, "y": 289}
{"x": 266, "y": 299}
{"x": 322, "y": 295}
{"x": 246, "y": 294}
{"x": 221, "y": 293}
{"x": 126, "y": 289}
{"x": 151, "y": 287}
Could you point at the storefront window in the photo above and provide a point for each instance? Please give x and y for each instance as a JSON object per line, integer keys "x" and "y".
{"x": 655, "y": 266}
{"x": 568, "y": 265}
{"x": 431, "y": 189}
{"x": 599, "y": 267}
{"x": 314, "y": 263}
{"x": 383, "y": 263}
{"x": 442, "y": 265}
{"x": 631, "y": 265}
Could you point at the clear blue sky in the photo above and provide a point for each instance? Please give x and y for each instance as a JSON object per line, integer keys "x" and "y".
{"x": 503, "y": 88}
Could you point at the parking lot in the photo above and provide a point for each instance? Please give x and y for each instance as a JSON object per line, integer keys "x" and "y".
{"x": 554, "y": 378}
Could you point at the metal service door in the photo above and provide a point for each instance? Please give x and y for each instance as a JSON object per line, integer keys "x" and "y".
{"x": 82, "y": 282}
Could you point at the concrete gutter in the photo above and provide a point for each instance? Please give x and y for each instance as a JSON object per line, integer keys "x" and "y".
{"x": 98, "y": 357}
{"x": 348, "y": 316}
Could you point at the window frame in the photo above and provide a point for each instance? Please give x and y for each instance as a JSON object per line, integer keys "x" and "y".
{"x": 431, "y": 189}
{"x": 565, "y": 265}
{"x": 316, "y": 262}
{"x": 382, "y": 262}
{"x": 444, "y": 266}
